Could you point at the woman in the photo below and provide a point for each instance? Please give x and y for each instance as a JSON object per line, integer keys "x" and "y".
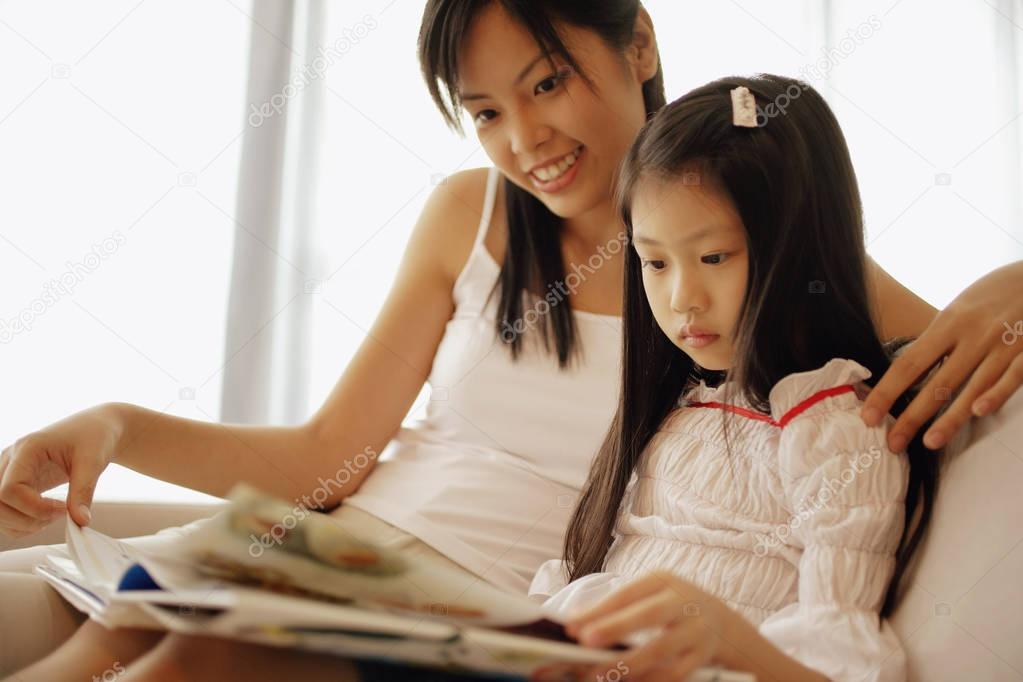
{"x": 489, "y": 477}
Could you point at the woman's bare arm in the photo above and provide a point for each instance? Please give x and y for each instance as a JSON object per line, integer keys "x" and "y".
{"x": 897, "y": 310}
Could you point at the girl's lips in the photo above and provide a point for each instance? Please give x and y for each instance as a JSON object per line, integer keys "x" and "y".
{"x": 564, "y": 181}
{"x": 699, "y": 340}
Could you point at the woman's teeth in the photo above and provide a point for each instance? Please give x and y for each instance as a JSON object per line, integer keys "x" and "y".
{"x": 559, "y": 168}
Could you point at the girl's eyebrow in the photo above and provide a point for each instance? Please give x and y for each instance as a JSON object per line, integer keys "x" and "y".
{"x": 525, "y": 72}
{"x": 696, "y": 236}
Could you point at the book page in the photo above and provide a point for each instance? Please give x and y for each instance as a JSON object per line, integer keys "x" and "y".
{"x": 263, "y": 542}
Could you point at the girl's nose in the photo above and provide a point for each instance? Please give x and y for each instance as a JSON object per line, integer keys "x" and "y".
{"x": 688, "y": 294}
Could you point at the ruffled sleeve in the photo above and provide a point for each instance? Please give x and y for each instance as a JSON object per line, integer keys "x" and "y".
{"x": 550, "y": 582}
{"x": 559, "y": 599}
{"x": 845, "y": 493}
{"x": 548, "y": 579}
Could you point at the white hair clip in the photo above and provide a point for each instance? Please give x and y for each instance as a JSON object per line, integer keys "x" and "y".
{"x": 744, "y": 108}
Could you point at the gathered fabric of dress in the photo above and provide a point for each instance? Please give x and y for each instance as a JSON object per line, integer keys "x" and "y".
{"x": 795, "y": 528}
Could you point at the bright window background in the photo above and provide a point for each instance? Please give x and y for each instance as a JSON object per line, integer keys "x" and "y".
{"x": 118, "y": 118}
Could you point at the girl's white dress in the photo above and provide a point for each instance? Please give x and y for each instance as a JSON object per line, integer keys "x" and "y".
{"x": 796, "y": 528}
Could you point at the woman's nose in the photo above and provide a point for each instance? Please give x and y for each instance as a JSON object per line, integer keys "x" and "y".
{"x": 527, "y": 133}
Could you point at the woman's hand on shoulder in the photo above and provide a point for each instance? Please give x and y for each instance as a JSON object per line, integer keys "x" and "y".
{"x": 981, "y": 332}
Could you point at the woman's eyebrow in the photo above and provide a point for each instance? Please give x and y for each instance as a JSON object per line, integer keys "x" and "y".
{"x": 525, "y": 72}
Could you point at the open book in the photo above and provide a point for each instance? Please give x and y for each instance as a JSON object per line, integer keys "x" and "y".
{"x": 266, "y": 572}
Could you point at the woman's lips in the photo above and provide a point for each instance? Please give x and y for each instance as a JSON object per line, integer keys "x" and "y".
{"x": 562, "y": 182}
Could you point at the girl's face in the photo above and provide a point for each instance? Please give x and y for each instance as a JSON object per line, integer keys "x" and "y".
{"x": 692, "y": 248}
{"x": 543, "y": 127}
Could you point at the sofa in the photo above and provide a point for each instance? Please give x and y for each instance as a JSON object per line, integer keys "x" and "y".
{"x": 962, "y": 617}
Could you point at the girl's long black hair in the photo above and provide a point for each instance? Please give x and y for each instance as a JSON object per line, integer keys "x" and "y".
{"x": 533, "y": 260}
{"x": 792, "y": 183}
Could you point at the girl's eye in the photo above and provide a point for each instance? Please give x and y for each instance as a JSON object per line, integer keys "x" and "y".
{"x": 714, "y": 258}
{"x": 654, "y": 265}
{"x": 479, "y": 120}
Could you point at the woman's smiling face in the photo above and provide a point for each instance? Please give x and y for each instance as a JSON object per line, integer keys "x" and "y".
{"x": 541, "y": 125}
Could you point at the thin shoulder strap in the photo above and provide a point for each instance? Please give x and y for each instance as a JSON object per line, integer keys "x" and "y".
{"x": 489, "y": 200}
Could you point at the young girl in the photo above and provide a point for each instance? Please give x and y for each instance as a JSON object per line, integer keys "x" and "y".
{"x": 737, "y": 478}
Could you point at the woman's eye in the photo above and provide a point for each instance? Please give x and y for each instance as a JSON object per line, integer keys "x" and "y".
{"x": 555, "y": 80}
{"x": 714, "y": 258}
{"x": 552, "y": 82}
{"x": 653, "y": 264}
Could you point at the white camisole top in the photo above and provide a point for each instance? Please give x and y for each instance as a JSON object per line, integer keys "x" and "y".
{"x": 490, "y": 475}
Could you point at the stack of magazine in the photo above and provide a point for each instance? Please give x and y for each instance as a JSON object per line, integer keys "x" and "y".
{"x": 265, "y": 572}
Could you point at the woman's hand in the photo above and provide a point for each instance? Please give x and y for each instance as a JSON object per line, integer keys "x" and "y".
{"x": 693, "y": 625}
{"x": 75, "y": 449}
{"x": 981, "y": 332}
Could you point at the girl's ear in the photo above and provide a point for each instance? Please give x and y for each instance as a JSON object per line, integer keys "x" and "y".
{"x": 643, "y": 57}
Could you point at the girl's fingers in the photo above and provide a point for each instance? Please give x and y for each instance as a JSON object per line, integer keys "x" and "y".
{"x": 680, "y": 668}
{"x": 996, "y": 396}
{"x": 680, "y": 638}
{"x": 650, "y": 611}
{"x": 618, "y": 599}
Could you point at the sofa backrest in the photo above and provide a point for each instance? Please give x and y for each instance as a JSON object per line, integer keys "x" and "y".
{"x": 962, "y": 616}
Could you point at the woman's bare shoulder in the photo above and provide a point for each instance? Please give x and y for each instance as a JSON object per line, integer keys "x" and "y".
{"x": 457, "y": 212}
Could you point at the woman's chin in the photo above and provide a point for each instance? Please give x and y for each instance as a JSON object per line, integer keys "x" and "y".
{"x": 566, "y": 206}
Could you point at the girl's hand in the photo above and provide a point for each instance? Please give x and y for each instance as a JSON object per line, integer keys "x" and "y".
{"x": 693, "y": 624}
{"x": 75, "y": 449}
{"x": 981, "y": 331}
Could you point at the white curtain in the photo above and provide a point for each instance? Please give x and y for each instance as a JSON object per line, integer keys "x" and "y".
{"x": 265, "y": 379}
{"x": 928, "y": 96}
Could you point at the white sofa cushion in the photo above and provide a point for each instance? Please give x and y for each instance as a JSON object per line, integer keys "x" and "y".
{"x": 121, "y": 520}
{"x": 962, "y": 617}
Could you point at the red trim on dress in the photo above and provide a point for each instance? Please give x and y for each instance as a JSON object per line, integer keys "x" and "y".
{"x": 788, "y": 416}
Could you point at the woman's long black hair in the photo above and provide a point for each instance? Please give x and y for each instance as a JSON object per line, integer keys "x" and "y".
{"x": 533, "y": 260}
{"x": 792, "y": 183}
